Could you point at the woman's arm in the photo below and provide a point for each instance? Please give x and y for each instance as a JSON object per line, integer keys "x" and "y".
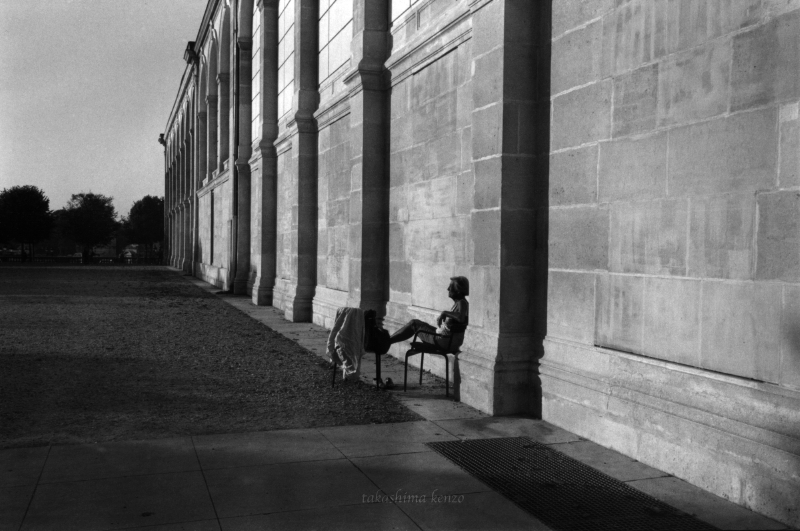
{"x": 458, "y": 316}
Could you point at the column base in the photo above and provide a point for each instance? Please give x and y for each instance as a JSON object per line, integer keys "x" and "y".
{"x": 496, "y": 387}
{"x": 295, "y": 301}
{"x": 326, "y": 302}
{"x": 240, "y": 285}
{"x": 262, "y": 292}
{"x": 212, "y": 274}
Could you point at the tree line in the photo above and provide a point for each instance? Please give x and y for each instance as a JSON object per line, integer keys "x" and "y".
{"x": 87, "y": 220}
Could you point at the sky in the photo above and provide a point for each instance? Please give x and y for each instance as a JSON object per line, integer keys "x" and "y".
{"x": 86, "y": 87}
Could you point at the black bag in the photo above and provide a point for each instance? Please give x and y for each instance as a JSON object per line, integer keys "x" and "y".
{"x": 377, "y": 339}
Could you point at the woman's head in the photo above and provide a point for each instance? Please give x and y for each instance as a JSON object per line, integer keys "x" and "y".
{"x": 458, "y": 288}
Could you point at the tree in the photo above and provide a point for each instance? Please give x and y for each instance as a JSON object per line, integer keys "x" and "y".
{"x": 145, "y": 222}
{"x": 60, "y": 239}
{"x": 90, "y": 220}
{"x": 25, "y": 215}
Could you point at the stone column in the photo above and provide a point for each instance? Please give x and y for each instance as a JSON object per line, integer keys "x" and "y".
{"x": 224, "y": 123}
{"x": 241, "y": 281}
{"x": 201, "y": 143}
{"x": 187, "y": 201}
{"x": 304, "y": 151}
{"x": 179, "y": 179}
{"x": 180, "y": 197}
{"x": 369, "y": 199}
{"x": 172, "y": 210}
{"x": 510, "y": 128}
{"x": 166, "y": 244}
{"x": 198, "y": 175}
{"x": 265, "y": 181}
{"x": 211, "y": 157}
{"x": 165, "y": 237}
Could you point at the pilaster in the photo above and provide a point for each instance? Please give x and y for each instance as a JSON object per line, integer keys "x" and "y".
{"x": 241, "y": 284}
{"x": 165, "y": 242}
{"x": 297, "y": 301}
{"x": 211, "y": 158}
{"x": 509, "y": 216}
{"x": 173, "y": 256}
{"x": 197, "y": 178}
{"x": 180, "y": 251}
{"x": 188, "y": 189}
{"x": 223, "y": 124}
{"x": 369, "y": 198}
{"x": 264, "y": 164}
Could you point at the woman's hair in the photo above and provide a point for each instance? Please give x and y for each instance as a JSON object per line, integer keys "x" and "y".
{"x": 462, "y": 285}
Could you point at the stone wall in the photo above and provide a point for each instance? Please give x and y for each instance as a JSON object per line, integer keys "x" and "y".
{"x": 334, "y": 189}
{"x": 286, "y": 242}
{"x": 204, "y": 230}
{"x": 222, "y": 224}
{"x": 212, "y": 253}
{"x": 674, "y": 248}
{"x": 431, "y": 187}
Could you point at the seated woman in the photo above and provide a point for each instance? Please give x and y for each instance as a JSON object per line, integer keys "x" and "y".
{"x": 452, "y": 323}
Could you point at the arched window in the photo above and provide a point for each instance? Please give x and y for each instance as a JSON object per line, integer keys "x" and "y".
{"x": 399, "y": 7}
{"x": 335, "y": 35}
{"x": 256, "y": 80}
{"x": 285, "y": 56}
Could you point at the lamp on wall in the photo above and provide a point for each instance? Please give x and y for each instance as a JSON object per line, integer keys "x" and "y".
{"x": 189, "y": 55}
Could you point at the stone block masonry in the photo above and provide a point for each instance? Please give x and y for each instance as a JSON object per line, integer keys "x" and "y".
{"x": 619, "y": 180}
{"x": 674, "y": 239}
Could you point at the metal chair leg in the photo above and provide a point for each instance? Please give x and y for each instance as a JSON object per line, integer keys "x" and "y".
{"x": 421, "y": 361}
{"x": 446, "y": 376}
{"x": 405, "y": 371}
{"x": 377, "y": 371}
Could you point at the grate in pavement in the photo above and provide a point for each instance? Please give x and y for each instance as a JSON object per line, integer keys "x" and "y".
{"x": 562, "y": 492}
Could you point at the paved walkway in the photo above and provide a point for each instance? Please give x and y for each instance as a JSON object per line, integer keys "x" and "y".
{"x": 319, "y": 478}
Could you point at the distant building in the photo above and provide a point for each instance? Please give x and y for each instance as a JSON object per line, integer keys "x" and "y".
{"x": 618, "y": 180}
{"x": 106, "y": 251}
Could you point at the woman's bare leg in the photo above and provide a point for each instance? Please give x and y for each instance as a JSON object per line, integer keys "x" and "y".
{"x": 409, "y": 329}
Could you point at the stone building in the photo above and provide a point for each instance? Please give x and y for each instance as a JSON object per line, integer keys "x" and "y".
{"x": 619, "y": 179}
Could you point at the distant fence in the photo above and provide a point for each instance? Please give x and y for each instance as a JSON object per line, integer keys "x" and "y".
{"x": 80, "y": 260}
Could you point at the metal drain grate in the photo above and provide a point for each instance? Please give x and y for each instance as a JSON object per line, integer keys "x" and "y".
{"x": 560, "y": 491}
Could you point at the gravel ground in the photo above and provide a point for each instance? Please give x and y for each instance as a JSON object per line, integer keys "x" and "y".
{"x": 101, "y": 353}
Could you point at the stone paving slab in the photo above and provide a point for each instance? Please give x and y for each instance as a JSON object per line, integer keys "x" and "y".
{"x": 435, "y": 408}
{"x": 417, "y": 475}
{"x": 384, "y": 516}
{"x": 13, "y": 504}
{"x": 476, "y": 510}
{"x": 607, "y": 461}
{"x": 200, "y": 525}
{"x": 119, "y": 459}
{"x": 284, "y": 487}
{"x": 263, "y": 448}
{"x": 704, "y": 505}
{"x": 117, "y": 503}
{"x": 489, "y": 427}
{"x": 21, "y": 466}
{"x": 385, "y": 439}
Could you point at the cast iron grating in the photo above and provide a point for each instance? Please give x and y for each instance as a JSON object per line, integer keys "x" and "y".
{"x": 562, "y": 492}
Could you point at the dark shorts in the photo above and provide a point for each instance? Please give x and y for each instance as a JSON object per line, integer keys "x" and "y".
{"x": 444, "y": 343}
